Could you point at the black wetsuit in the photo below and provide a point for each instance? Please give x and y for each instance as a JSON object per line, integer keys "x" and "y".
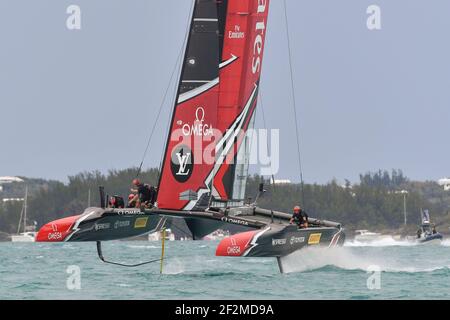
{"x": 300, "y": 217}
{"x": 147, "y": 194}
{"x": 144, "y": 193}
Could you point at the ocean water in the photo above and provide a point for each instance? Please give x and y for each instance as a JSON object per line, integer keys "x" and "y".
{"x": 192, "y": 271}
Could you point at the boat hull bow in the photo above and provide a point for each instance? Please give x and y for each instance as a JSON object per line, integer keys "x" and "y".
{"x": 97, "y": 224}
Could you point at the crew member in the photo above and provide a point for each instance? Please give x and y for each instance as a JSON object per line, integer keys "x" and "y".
{"x": 154, "y": 195}
{"x": 116, "y": 202}
{"x": 132, "y": 198}
{"x": 145, "y": 194}
{"x": 299, "y": 217}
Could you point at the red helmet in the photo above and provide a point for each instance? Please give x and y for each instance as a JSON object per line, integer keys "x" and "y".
{"x": 297, "y": 209}
{"x": 136, "y": 182}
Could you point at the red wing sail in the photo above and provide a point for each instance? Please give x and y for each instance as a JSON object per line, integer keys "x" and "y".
{"x": 215, "y": 104}
{"x": 244, "y": 37}
{"x": 195, "y": 114}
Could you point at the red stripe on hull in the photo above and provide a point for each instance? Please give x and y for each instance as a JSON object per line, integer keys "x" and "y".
{"x": 56, "y": 231}
{"x": 235, "y": 246}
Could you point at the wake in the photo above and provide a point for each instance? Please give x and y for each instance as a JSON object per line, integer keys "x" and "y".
{"x": 446, "y": 243}
{"x": 390, "y": 243}
{"x": 143, "y": 247}
{"x": 380, "y": 243}
{"x": 310, "y": 259}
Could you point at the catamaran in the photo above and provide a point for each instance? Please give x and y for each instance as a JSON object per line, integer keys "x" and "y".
{"x": 214, "y": 108}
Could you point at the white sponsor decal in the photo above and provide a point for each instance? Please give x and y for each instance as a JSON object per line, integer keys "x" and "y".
{"x": 121, "y": 224}
{"x": 102, "y": 226}
{"x": 129, "y": 212}
{"x": 260, "y": 27}
{"x": 234, "y": 248}
{"x": 278, "y": 242}
{"x": 183, "y": 161}
{"x": 235, "y": 221}
{"x": 55, "y": 236}
{"x": 199, "y": 128}
{"x": 237, "y": 33}
{"x": 295, "y": 240}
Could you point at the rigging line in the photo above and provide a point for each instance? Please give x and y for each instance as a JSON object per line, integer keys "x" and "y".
{"x": 249, "y": 150}
{"x": 20, "y": 221}
{"x": 294, "y": 105}
{"x": 265, "y": 127}
{"x": 179, "y": 65}
{"x": 157, "y": 117}
{"x": 163, "y": 100}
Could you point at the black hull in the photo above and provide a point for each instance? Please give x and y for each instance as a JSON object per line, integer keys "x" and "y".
{"x": 97, "y": 224}
{"x": 279, "y": 241}
{"x": 117, "y": 227}
{"x": 282, "y": 242}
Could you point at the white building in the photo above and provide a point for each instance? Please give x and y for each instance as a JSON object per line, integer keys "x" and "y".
{"x": 445, "y": 182}
{"x": 6, "y": 180}
{"x": 281, "y": 181}
{"x": 13, "y": 200}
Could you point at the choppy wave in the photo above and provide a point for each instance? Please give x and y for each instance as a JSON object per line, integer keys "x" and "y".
{"x": 124, "y": 285}
{"x": 446, "y": 243}
{"x": 143, "y": 247}
{"x": 174, "y": 265}
{"x": 313, "y": 259}
{"x": 380, "y": 243}
{"x": 389, "y": 243}
{"x": 192, "y": 271}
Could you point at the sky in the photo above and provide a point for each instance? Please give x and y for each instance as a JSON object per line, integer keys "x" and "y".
{"x": 82, "y": 100}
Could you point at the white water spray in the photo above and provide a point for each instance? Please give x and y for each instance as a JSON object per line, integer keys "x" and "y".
{"x": 446, "y": 243}
{"x": 386, "y": 242}
{"x": 346, "y": 258}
